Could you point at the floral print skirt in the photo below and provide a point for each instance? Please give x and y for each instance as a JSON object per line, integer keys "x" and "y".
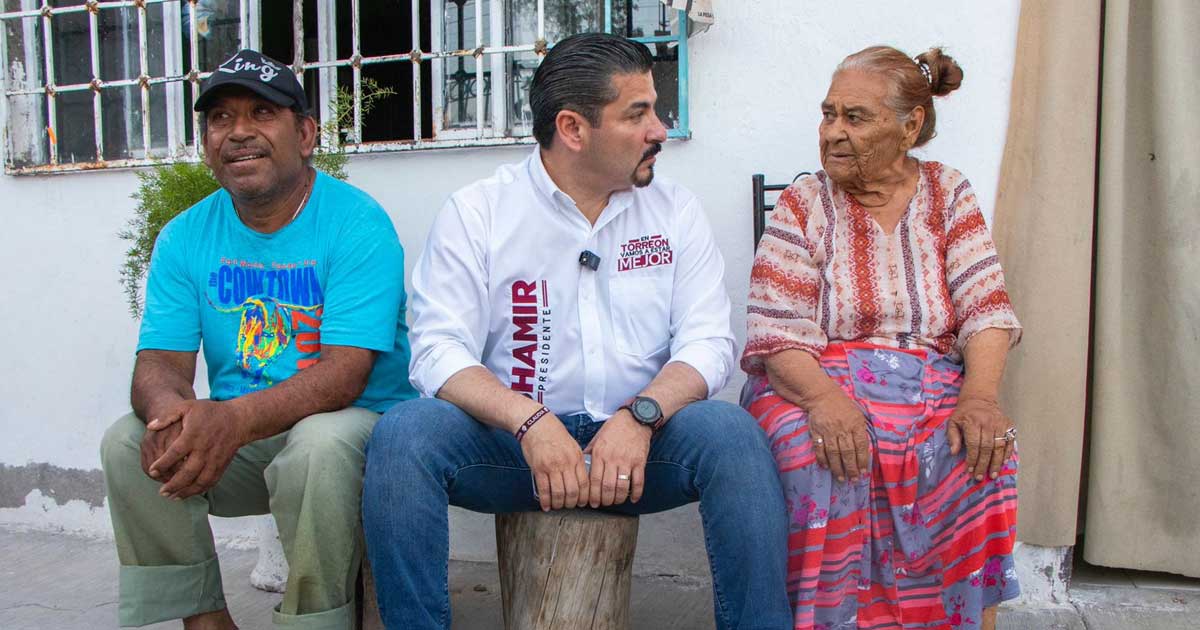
{"x": 918, "y": 543}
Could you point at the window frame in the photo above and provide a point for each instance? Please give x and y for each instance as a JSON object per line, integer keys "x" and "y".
{"x": 327, "y": 64}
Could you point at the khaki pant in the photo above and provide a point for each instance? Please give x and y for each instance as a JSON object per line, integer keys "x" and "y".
{"x": 309, "y": 478}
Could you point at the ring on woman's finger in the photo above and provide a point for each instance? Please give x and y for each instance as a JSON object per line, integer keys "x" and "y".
{"x": 819, "y": 441}
{"x": 1002, "y": 438}
{"x": 622, "y": 477}
{"x": 1011, "y": 434}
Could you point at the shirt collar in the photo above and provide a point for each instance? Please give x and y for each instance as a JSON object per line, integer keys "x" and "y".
{"x": 544, "y": 184}
{"x": 617, "y": 202}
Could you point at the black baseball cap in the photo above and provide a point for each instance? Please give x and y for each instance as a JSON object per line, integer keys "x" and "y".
{"x": 258, "y": 73}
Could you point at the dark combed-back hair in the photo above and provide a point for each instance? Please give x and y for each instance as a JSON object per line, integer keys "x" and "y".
{"x": 912, "y": 82}
{"x": 576, "y": 75}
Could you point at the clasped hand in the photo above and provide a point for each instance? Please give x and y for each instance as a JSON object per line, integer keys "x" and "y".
{"x": 618, "y": 451}
{"x": 189, "y": 444}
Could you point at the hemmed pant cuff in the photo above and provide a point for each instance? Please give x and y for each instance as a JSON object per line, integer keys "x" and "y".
{"x": 153, "y": 594}
{"x": 341, "y": 618}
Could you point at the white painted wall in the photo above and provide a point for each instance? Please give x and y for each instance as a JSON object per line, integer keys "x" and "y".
{"x": 757, "y": 79}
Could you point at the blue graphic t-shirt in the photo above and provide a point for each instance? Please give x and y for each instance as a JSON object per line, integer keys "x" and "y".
{"x": 264, "y": 303}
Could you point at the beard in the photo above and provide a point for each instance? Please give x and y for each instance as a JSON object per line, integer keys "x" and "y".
{"x": 640, "y": 181}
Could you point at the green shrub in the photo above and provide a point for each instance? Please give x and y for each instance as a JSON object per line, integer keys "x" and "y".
{"x": 163, "y": 192}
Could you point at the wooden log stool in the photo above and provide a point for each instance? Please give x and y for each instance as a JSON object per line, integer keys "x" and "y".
{"x": 566, "y": 569}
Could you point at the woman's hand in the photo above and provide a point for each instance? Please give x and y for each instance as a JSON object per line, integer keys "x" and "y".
{"x": 981, "y": 426}
{"x": 836, "y": 425}
{"x": 839, "y": 435}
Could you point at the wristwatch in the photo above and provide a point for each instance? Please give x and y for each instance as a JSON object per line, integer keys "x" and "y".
{"x": 646, "y": 411}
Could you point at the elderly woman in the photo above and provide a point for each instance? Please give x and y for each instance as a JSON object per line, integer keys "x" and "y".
{"x": 878, "y": 330}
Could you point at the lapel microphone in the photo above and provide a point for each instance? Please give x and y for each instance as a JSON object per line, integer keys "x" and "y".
{"x": 589, "y": 260}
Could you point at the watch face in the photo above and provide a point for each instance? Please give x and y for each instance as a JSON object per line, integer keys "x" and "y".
{"x": 645, "y": 410}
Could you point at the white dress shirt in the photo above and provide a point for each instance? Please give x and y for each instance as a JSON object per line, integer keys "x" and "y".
{"x": 500, "y": 285}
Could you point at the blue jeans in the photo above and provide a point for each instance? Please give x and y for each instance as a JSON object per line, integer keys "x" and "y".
{"x": 427, "y": 454}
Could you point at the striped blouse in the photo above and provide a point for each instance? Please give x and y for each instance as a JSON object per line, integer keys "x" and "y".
{"x": 825, "y": 271}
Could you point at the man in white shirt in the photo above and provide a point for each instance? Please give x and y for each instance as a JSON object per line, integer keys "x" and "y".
{"x": 570, "y": 305}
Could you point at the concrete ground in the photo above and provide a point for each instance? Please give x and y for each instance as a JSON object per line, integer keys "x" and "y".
{"x": 55, "y": 582}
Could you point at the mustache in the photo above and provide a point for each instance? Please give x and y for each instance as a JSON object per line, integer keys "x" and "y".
{"x": 234, "y": 148}
{"x": 652, "y": 151}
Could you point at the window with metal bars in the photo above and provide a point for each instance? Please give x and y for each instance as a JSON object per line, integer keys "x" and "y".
{"x": 94, "y": 84}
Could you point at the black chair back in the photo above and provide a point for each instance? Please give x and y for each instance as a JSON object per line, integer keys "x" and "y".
{"x": 761, "y": 207}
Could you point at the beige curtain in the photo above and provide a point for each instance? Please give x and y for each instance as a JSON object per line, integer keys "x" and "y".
{"x": 1143, "y": 508}
{"x": 1043, "y": 229}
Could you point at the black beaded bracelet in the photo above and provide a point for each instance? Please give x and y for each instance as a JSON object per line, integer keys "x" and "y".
{"x": 537, "y": 415}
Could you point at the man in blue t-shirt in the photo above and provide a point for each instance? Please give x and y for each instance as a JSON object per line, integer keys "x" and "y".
{"x": 292, "y": 282}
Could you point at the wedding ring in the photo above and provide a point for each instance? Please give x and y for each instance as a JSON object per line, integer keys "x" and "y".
{"x": 1010, "y": 434}
{"x": 622, "y": 477}
{"x": 820, "y": 441}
